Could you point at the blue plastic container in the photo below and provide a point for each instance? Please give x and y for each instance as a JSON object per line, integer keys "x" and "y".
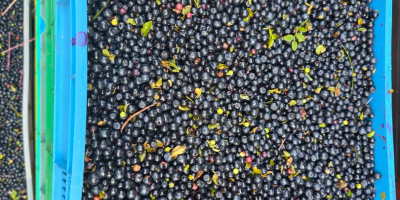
{"x": 71, "y": 87}
{"x": 70, "y": 96}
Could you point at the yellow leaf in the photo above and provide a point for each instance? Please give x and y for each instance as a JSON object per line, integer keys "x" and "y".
{"x": 331, "y": 89}
{"x": 362, "y": 116}
{"x": 248, "y": 166}
{"x": 360, "y": 21}
{"x": 220, "y": 111}
{"x": 289, "y": 161}
{"x": 178, "y": 150}
{"x": 106, "y": 53}
{"x": 271, "y": 162}
{"x": 222, "y": 66}
{"x": 188, "y": 98}
{"x": 131, "y": 21}
{"x": 186, "y": 167}
{"x": 142, "y": 156}
{"x": 286, "y": 154}
{"x": 159, "y": 143}
{"x": 170, "y": 83}
{"x": 183, "y": 108}
{"x": 229, "y": 73}
{"x": 292, "y": 103}
{"x": 101, "y": 123}
{"x": 191, "y": 177}
{"x": 151, "y": 196}
{"x": 111, "y": 57}
{"x": 102, "y": 194}
{"x": 244, "y": 96}
{"x": 159, "y": 82}
{"x": 213, "y": 126}
{"x": 371, "y": 134}
{"x": 390, "y": 91}
{"x": 254, "y": 130}
{"x": 323, "y": 125}
{"x": 266, "y": 130}
{"x": 13, "y": 88}
{"x": 256, "y": 171}
{"x": 309, "y": 9}
{"x": 275, "y": 91}
{"x": 198, "y": 91}
{"x": 215, "y": 178}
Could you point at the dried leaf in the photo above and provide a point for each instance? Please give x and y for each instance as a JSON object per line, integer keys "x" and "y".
{"x": 213, "y": 126}
{"x": 178, "y": 150}
{"x": 289, "y": 161}
{"x": 142, "y": 156}
{"x": 303, "y": 113}
{"x": 318, "y": 90}
{"x": 198, "y": 91}
{"x": 244, "y": 96}
{"x": 183, "y": 108}
{"x": 222, "y": 66}
{"x": 159, "y": 143}
{"x": 249, "y": 16}
{"x": 229, "y": 73}
{"x": 215, "y": 178}
{"x": 320, "y": 49}
{"x": 327, "y": 171}
{"x": 101, "y": 123}
{"x": 146, "y": 28}
{"x": 199, "y": 174}
{"x": 341, "y": 184}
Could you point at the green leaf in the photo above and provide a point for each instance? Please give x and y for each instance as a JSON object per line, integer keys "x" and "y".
{"x": 362, "y": 29}
{"x": 300, "y": 37}
{"x": 320, "y": 49}
{"x": 213, "y": 126}
{"x": 178, "y": 150}
{"x": 288, "y": 38}
{"x": 284, "y": 16}
{"x": 186, "y": 10}
{"x": 294, "y": 45}
{"x": 303, "y": 29}
{"x": 323, "y": 125}
{"x": 292, "y": 103}
{"x": 270, "y": 42}
{"x": 231, "y": 49}
{"x": 371, "y": 134}
{"x": 349, "y": 193}
{"x": 229, "y": 73}
{"x": 266, "y": 130}
{"x": 341, "y": 184}
{"x": 131, "y": 21}
{"x": 275, "y": 36}
{"x": 249, "y": 4}
{"x": 244, "y": 96}
{"x": 215, "y": 176}
{"x": 158, "y": 2}
{"x": 249, "y": 16}
{"x": 271, "y": 162}
{"x": 146, "y": 28}
{"x": 100, "y": 11}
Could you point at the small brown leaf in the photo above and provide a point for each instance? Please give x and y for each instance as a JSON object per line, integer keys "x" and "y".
{"x": 159, "y": 143}
{"x": 199, "y": 174}
{"x": 303, "y": 113}
{"x": 341, "y": 184}
{"x": 178, "y": 150}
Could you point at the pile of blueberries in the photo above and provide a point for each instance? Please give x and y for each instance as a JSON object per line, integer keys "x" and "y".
{"x": 12, "y": 169}
{"x": 230, "y": 99}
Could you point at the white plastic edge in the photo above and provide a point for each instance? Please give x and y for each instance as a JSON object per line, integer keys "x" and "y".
{"x": 26, "y": 104}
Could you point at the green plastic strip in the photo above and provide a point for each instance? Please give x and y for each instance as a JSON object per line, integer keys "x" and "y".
{"x": 50, "y": 13}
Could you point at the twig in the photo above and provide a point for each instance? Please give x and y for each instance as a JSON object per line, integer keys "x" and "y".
{"x": 380, "y": 137}
{"x": 134, "y": 115}
{"x": 368, "y": 101}
{"x": 282, "y": 144}
{"x": 12, "y": 3}
{"x": 9, "y": 45}
{"x": 352, "y": 71}
{"x": 14, "y": 47}
{"x": 20, "y": 78}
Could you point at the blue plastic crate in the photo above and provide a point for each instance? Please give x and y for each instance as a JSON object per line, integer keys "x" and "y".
{"x": 70, "y": 99}
{"x": 70, "y": 96}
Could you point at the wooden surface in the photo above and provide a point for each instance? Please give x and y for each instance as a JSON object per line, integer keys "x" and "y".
{"x": 396, "y": 83}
